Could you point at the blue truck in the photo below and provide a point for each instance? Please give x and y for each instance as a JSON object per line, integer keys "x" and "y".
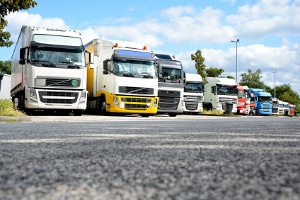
{"x": 261, "y": 101}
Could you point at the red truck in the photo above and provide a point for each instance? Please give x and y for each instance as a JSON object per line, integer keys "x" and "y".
{"x": 243, "y": 105}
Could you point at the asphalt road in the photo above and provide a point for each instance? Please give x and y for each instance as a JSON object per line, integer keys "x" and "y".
{"x": 186, "y": 157}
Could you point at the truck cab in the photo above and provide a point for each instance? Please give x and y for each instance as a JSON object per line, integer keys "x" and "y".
{"x": 243, "y": 105}
{"x": 193, "y": 93}
{"x": 220, "y": 94}
{"x": 262, "y": 101}
{"x": 170, "y": 84}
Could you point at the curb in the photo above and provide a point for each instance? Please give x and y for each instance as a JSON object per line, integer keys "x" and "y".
{"x": 15, "y": 119}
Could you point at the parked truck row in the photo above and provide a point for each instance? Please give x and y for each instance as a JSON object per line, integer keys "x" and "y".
{"x": 52, "y": 70}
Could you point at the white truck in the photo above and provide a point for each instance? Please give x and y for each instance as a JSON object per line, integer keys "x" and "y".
{"x": 220, "y": 94}
{"x": 283, "y": 108}
{"x": 48, "y": 71}
{"x": 170, "y": 84}
{"x": 193, "y": 93}
{"x": 121, "y": 78}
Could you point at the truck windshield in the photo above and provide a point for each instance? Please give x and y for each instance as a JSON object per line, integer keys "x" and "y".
{"x": 134, "y": 68}
{"x": 226, "y": 90}
{"x": 171, "y": 75}
{"x": 57, "y": 57}
{"x": 193, "y": 87}
{"x": 241, "y": 94}
{"x": 264, "y": 99}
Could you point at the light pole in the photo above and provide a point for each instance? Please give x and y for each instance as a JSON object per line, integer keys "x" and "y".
{"x": 274, "y": 84}
{"x": 237, "y": 41}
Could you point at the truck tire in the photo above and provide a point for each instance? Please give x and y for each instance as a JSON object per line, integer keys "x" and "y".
{"x": 103, "y": 106}
{"x": 172, "y": 114}
{"x": 252, "y": 113}
{"x": 78, "y": 112}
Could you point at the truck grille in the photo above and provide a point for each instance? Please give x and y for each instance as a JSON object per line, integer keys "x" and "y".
{"x": 136, "y": 90}
{"x": 266, "y": 106}
{"x": 191, "y": 105}
{"x": 63, "y": 82}
{"x": 136, "y": 106}
{"x": 58, "y": 97}
{"x": 274, "y": 110}
{"x": 136, "y": 103}
{"x": 168, "y": 103}
{"x": 168, "y": 93}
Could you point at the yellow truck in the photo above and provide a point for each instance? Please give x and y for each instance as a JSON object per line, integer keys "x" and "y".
{"x": 121, "y": 78}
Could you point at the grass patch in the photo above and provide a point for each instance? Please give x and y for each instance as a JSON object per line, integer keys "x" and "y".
{"x": 7, "y": 109}
{"x": 212, "y": 112}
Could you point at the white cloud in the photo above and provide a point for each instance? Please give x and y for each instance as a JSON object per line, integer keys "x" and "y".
{"x": 189, "y": 26}
{"x": 267, "y": 17}
{"x": 17, "y": 19}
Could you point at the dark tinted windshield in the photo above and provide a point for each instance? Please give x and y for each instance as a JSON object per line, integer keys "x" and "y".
{"x": 226, "y": 90}
{"x": 193, "y": 87}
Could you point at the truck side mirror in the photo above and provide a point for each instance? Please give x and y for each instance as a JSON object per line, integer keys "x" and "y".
{"x": 22, "y": 56}
{"x": 90, "y": 57}
{"x": 22, "y": 53}
{"x": 213, "y": 90}
{"x": 106, "y": 66}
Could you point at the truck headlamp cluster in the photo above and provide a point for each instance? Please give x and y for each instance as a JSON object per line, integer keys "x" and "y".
{"x": 155, "y": 103}
{"x": 33, "y": 95}
{"x": 82, "y": 97}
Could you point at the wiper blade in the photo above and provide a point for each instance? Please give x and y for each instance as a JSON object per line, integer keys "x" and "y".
{"x": 73, "y": 66}
{"x": 48, "y": 64}
{"x": 128, "y": 75}
{"x": 147, "y": 76}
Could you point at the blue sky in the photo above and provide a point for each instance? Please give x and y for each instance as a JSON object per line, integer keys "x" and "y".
{"x": 269, "y": 30}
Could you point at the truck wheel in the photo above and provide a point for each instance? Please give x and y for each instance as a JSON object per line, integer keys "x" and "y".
{"x": 22, "y": 102}
{"x": 252, "y": 113}
{"x": 77, "y": 112}
{"x": 16, "y": 103}
{"x": 172, "y": 114}
{"x": 103, "y": 107}
{"x": 146, "y": 115}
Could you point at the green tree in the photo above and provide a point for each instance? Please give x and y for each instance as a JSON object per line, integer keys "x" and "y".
{"x": 229, "y": 76}
{"x": 286, "y": 93}
{"x": 214, "y": 72}
{"x": 252, "y": 79}
{"x": 5, "y": 67}
{"x": 6, "y": 7}
{"x": 199, "y": 64}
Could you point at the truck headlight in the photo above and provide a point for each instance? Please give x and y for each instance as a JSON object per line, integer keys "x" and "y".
{"x": 33, "y": 95}
{"x": 82, "y": 96}
{"x": 116, "y": 103}
{"x": 155, "y": 102}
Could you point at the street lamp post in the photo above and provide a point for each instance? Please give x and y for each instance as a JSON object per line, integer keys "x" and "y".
{"x": 274, "y": 72}
{"x": 238, "y": 40}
